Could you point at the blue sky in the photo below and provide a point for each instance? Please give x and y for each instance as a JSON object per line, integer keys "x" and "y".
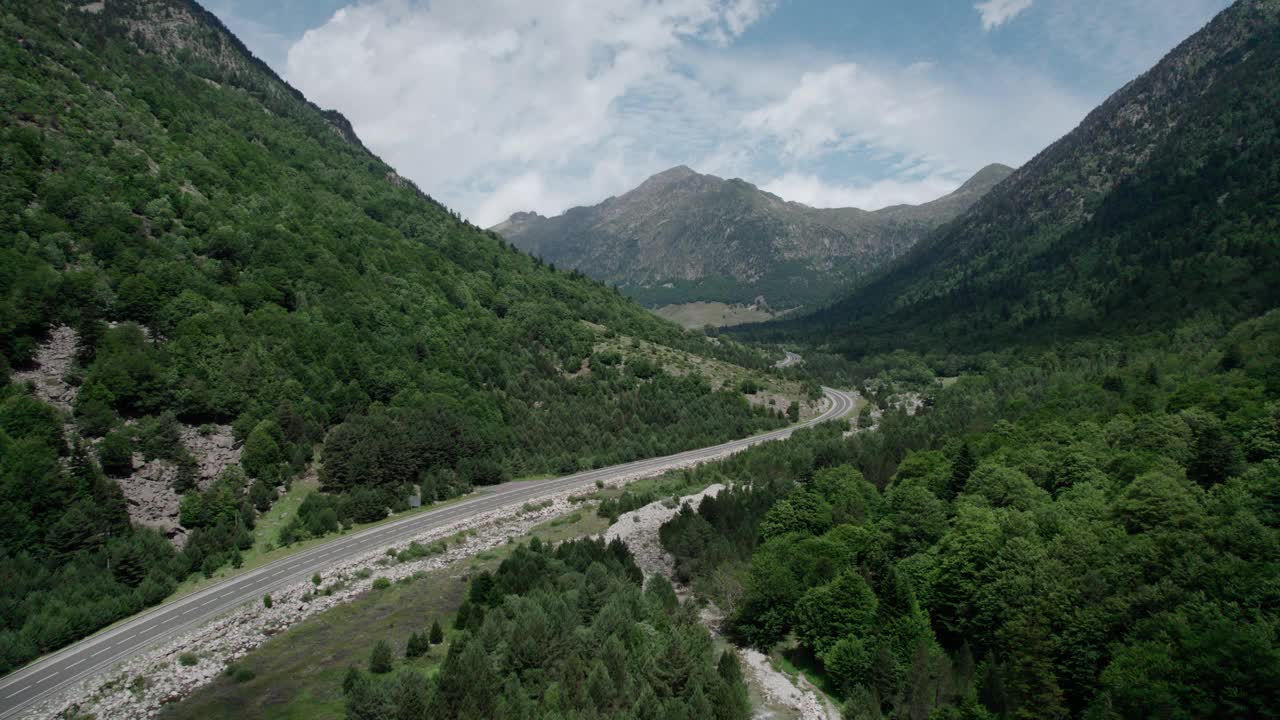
{"x": 495, "y": 106}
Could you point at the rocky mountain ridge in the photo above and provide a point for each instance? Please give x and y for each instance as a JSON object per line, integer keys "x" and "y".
{"x": 683, "y": 236}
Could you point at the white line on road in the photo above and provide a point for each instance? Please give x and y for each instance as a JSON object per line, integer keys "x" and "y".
{"x": 6, "y": 697}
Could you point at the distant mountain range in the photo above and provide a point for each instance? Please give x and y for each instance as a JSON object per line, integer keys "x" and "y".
{"x": 683, "y": 236}
{"x": 1161, "y": 206}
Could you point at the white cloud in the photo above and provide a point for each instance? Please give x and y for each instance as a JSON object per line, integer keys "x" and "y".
{"x": 816, "y": 192}
{"x": 927, "y": 124}
{"x": 998, "y": 12}
{"x": 491, "y": 102}
{"x": 496, "y": 106}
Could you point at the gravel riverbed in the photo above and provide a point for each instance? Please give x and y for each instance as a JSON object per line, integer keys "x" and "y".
{"x": 783, "y": 697}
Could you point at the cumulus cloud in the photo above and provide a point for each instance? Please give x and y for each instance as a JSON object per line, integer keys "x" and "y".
{"x": 998, "y": 12}
{"x": 489, "y": 102}
{"x": 496, "y": 106}
{"x": 929, "y": 126}
{"x": 815, "y": 192}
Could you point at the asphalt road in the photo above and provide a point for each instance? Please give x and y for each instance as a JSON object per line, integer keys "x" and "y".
{"x": 36, "y": 682}
{"x": 789, "y": 360}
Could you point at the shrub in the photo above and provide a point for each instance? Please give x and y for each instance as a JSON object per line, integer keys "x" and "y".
{"x": 239, "y": 673}
{"x": 381, "y": 583}
{"x": 266, "y": 601}
{"x": 188, "y": 659}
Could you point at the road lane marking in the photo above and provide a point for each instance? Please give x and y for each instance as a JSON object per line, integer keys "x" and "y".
{"x": 99, "y": 652}
{"x": 6, "y": 697}
{"x": 75, "y": 663}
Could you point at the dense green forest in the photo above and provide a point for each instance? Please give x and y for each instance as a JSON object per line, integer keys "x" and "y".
{"x": 71, "y": 560}
{"x": 1090, "y": 532}
{"x": 1164, "y": 202}
{"x": 557, "y": 633}
{"x": 1086, "y": 523}
{"x": 225, "y": 252}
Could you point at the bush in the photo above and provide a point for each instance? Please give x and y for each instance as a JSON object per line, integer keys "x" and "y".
{"x": 188, "y": 659}
{"x": 239, "y": 673}
{"x": 266, "y": 601}
{"x": 115, "y": 453}
{"x": 381, "y": 583}
{"x": 437, "y": 633}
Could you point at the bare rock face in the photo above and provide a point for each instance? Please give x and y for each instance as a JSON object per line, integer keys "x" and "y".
{"x": 53, "y": 360}
{"x": 215, "y": 449}
{"x": 149, "y": 489}
{"x": 152, "y": 501}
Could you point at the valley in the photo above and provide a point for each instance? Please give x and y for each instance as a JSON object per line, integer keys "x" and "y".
{"x": 285, "y": 435}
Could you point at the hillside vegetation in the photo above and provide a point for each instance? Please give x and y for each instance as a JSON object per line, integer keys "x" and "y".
{"x": 225, "y": 253}
{"x": 1081, "y": 521}
{"x": 1163, "y": 203}
{"x": 683, "y": 237}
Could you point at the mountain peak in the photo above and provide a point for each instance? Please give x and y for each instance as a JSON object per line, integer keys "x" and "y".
{"x": 685, "y": 236}
{"x": 668, "y": 177}
{"x": 985, "y": 179}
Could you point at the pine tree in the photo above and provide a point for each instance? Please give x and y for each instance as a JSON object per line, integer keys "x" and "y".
{"x": 417, "y": 646}
{"x": 437, "y": 633}
{"x": 962, "y": 466}
{"x": 380, "y": 658}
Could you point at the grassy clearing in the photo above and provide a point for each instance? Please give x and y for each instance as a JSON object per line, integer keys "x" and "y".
{"x": 697, "y": 315}
{"x": 298, "y": 675}
{"x": 774, "y": 391}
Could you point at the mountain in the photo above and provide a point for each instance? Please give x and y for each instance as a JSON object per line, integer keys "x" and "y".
{"x": 682, "y": 236}
{"x": 207, "y": 282}
{"x": 1160, "y": 206}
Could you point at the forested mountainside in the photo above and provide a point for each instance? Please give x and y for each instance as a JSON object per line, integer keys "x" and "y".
{"x": 682, "y": 236}
{"x": 190, "y": 252}
{"x": 1091, "y": 532}
{"x": 1068, "y": 504}
{"x": 1163, "y": 203}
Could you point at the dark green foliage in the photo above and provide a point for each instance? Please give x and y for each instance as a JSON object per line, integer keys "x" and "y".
{"x": 115, "y": 452}
{"x": 417, "y": 646}
{"x": 1039, "y": 547}
{"x": 437, "y": 633}
{"x": 287, "y": 286}
{"x": 568, "y": 633}
{"x": 71, "y": 560}
{"x": 380, "y": 658}
{"x": 227, "y": 253}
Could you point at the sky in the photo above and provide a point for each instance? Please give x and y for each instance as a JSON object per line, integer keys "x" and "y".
{"x": 499, "y": 106}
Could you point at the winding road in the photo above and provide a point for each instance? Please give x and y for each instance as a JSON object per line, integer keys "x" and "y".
{"x": 40, "y": 680}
